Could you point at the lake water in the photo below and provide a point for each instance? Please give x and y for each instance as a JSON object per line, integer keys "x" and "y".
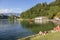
{"x": 12, "y": 30}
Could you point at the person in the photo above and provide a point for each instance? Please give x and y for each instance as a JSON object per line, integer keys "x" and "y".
{"x": 40, "y": 33}
{"x": 45, "y": 32}
{"x": 57, "y": 28}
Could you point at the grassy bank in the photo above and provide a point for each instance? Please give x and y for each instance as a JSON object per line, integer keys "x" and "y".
{"x": 49, "y": 36}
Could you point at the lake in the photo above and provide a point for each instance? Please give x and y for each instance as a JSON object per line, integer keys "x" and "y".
{"x": 12, "y": 30}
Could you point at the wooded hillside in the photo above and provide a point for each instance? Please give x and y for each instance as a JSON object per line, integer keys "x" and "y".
{"x": 44, "y": 9}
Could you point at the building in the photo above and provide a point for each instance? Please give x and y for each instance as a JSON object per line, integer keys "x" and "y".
{"x": 41, "y": 19}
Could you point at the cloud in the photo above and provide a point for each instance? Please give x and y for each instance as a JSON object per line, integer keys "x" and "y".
{"x": 14, "y": 10}
{"x": 3, "y": 10}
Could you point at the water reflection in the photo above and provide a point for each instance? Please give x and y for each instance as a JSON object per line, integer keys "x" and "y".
{"x": 36, "y": 27}
{"x": 11, "y": 30}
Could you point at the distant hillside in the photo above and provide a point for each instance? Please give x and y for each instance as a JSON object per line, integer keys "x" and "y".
{"x": 44, "y": 9}
{"x": 3, "y": 16}
{"x": 9, "y": 14}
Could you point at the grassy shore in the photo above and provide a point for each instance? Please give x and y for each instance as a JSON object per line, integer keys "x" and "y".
{"x": 49, "y": 36}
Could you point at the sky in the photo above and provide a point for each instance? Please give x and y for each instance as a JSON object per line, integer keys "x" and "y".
{"x": 18, "y": 6}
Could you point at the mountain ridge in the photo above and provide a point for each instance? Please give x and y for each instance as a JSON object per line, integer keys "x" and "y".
{"x": 44, "y": 9}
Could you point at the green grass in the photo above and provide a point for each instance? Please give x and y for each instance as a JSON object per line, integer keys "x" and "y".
{"x": 49, "y": 36}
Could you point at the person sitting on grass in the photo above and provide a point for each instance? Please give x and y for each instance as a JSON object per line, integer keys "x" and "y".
{"x": 57, "y": 28}
{"x": 40, "y": 32}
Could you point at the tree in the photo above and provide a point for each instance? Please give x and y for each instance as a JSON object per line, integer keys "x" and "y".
{"x": 44, "y": 9}
{"x": 53, "y": 11}
{"x": 58, "y": 15}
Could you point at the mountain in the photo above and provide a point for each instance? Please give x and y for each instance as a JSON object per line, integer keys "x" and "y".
{"x": 44, "y": 9}
{"x": 9, "y": 14}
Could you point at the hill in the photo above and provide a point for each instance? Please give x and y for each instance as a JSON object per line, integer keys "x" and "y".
{"x": 44, "y": 9}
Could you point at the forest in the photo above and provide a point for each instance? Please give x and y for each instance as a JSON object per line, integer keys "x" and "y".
{"x": 49, "y": 10}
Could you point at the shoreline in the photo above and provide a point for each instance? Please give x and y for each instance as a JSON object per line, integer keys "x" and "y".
{"x": 36, "y": 35}
{"x": 49, "y": 32}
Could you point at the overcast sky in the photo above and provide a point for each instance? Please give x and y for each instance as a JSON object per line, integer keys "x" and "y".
{"x": 18, "y": 6}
